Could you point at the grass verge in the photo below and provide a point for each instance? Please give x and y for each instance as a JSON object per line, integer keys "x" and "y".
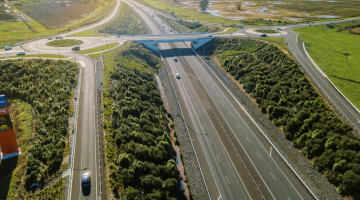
{"x": 187, "y": 14}
{"x": 100, "y": 48}
{"x": 88, "y": 33}
{"x": 41, "y": 56}
{"x": 270, "y": 31}
{"x": 336, "y": 52}
{"x": 64, "y": 43}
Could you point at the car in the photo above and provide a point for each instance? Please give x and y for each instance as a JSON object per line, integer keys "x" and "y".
{"x": 58, "y": 37}
{"x": 209, "y": 36}
{"x": 263, "y": 35}
{"x": 309, "y": 24}
{"x": 279, "y": 29}
{"x": 163, "y": 26}
{"x": 7, "y": 48}
{"x": 175, "y": 59}
{"x": 331, "y": 22}
{"x": 177, "y": 76}
{"x": 162, "y": 22}
{"x": 21, "y": 53}
{"x": 75, "y": 48}
{"x": 85, "y": 180}
{"x": 152, "y": 15}
{"x": 170, "y": 30}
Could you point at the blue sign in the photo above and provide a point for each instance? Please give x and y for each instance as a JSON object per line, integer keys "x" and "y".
{"x": 2, "y": 101}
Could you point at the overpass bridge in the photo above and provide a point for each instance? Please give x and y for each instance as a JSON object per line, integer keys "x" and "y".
{"x": 152, "y": 44}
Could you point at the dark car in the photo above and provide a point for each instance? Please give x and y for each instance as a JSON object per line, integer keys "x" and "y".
{"x": 76, "y": 48}
{"x": 175, "y": 59}
{"x": 7, "y": 48}
{"x": 85, "y": 180}
{"x": 263, "y": 35}
{"x": 22, "y": 53}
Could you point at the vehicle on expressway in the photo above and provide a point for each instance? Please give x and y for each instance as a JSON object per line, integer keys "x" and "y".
{"x": 175, "y": 59}
{"x": 177, "y": 76}
{"x": 85, "y": 180}
{"x": 22, "y": 53}
{"x": 7, "y": 48}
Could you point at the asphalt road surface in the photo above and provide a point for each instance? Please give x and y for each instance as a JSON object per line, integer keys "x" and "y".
{"x": 213, "y": 115}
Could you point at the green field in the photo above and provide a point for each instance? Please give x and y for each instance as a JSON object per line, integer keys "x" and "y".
{"x": 15, "y": 32}
{"x": 100, "y": 48}
{"x": 187, "y": 14}
{"x": 89, "y": 33}
{"x": 336, "y": 52}
{"x": 64, "y": 43}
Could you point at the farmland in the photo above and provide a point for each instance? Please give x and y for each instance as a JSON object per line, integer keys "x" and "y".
{"x": 340, "y": 62}
{"x": 39, "y": 94}
{"x": 252, "y": 11}
{"x": 28, "y": 28}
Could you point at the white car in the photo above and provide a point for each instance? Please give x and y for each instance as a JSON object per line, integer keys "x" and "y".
{"x": 177, "y": 76}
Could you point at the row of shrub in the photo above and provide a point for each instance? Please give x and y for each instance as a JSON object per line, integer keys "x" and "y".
{"x": 127, "y": 22}
{"x": 285, "y": 95}
{"x": 183, "y": 26}
{"x": 46, "y": 85}
{"x": 139, "y": 154}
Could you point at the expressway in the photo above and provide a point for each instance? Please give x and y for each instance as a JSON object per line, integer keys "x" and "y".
{"x": 212, "y": 115}
{"x": 228, "y": 144}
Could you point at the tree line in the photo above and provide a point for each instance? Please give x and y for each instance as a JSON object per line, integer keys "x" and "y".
{"x": 46, "y": 85}
{"x": 285, "y": 95}
{"x": 139, "y": 154}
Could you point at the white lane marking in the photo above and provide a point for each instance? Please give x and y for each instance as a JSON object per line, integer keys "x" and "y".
{"x": 219, "y": 197}
{"x": 227, "y": 179}
{"x": 210, "y": 141}
{"x": 247, "y": 138}
{"x": 217, "y": 157}
{"x": 273, "y": 176}
{"x": 82, "y": 63}
{"x": 259, "y": 155}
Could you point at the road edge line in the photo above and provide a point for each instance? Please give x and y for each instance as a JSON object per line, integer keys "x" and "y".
{"x": 257, "y": 126}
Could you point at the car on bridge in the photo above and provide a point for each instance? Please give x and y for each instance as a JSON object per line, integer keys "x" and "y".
{"x": 177, "y": 76}
{"x": 175, "y": 59}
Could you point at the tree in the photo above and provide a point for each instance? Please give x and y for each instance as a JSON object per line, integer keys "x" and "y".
{"x": 238, "y": 6}
{"x": 351, "y": 182}
{"x": 203, "y": 5}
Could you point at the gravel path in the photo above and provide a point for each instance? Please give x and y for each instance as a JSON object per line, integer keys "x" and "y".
{"x": 192, "y": 170}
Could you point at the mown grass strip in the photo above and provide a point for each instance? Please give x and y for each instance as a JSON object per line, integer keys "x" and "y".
{"x": 100, "y": 48}
{"x": 336, "y": 51}
{"x": 40, "y": 56}
{"x": 64, "y": 43}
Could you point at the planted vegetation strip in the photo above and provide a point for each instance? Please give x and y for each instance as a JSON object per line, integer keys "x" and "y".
{"x": 46, "y": 85}
{"x": 284, "y": 94}
{"x": 270, "y": 31}
{"x": 100, "y": 48}
{"x": 335, "y": 50}
{"x": 127, "y": 22}
{"x": 182, "y": 26}
{"x": 140, "y": 157}
{"x": 64, "y": 43}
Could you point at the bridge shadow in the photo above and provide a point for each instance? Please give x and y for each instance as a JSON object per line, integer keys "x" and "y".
{"x": 166, "y": 53}
{"x": 6, "y": 170}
